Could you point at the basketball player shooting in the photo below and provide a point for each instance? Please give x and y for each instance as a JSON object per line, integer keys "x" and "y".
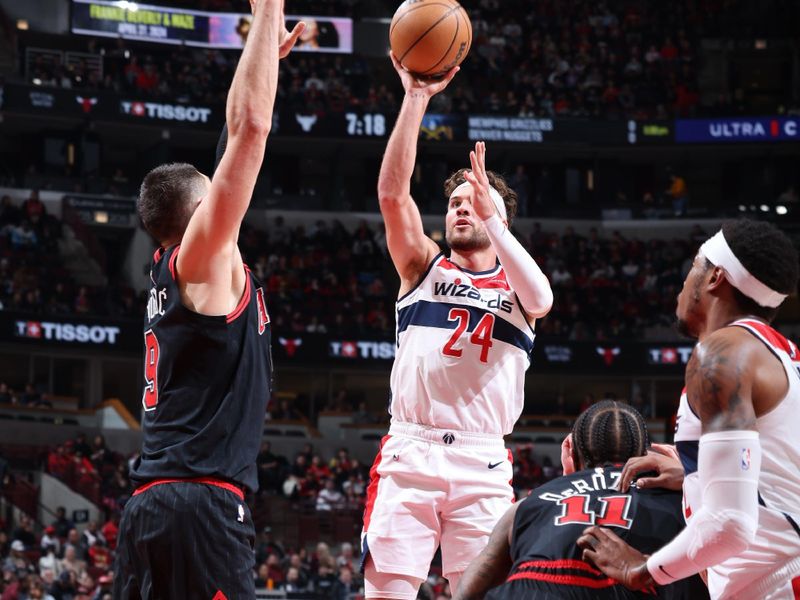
{"x": 737, "y": 429}
{"x": 464, "y": 337}
{"x": 187, "y": 532}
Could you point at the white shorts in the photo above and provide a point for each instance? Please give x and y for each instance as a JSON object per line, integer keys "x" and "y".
{"x": 430, "y": 487}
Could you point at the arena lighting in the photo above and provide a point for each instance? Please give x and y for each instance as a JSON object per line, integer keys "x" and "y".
{"x": 36, "y": 81}
{"x": 742, "y": 208}
{"x": 100, "y": 216}
{"x": 761, "y": 44}
{"x": 764, "y": 208}
{"x": 22, "y": 24}
{"x": 781, "y": 210}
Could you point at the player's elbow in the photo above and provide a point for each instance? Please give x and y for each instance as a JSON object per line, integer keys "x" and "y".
{"x": 539, "y": 304}
{"x": 388, "y": 198}
{"x": 249, "y": 124}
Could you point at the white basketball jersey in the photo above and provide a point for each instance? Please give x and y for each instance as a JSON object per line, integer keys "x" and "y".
{"x": 463, "y": 346}
{"x": 777, "y": 545}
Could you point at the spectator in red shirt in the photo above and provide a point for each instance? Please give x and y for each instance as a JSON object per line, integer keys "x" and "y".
{"x": 58, "y": 462}
{"x": 110, "y": 531}
{"x": 669, "y": 51}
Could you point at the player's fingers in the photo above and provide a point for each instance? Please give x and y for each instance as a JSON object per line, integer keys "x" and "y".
{"x": 587, "y": 542}
{"x": 470, "y": 177}
{"x": 449, "y": 76}
{"x": 589, "y": 556}
{"x": 395, "y": 61}
{"x": 629, "y": 472}
{"x": 473, "y": 160}
{"x": 602, "y": 534}
{"x": 644, "y": 483}
{"x": 665, "y": 450}
{"x": 297, "y": 31}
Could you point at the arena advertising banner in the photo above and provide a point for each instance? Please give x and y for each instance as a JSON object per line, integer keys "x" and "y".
{"x": 531, "y": 130}
{"x": 58, "y": 331}
{"x": 125, "y": 335}
{"x": 587, "y": 357}
{"x": 737, "y": 130}
{"x": 108, "y": 106}
{"x": 223, "y": 30}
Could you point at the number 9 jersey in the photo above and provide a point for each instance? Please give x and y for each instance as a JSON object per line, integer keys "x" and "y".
{"x": 207, "y": 383}
{"x": 463, "y": 346}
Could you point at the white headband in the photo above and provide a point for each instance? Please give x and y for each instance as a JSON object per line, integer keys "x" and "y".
{"x": 493, "y": 193}
{"x": 717, "y": 251}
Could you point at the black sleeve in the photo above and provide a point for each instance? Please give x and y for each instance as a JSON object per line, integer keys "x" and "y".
{"x": 221, "y": 145}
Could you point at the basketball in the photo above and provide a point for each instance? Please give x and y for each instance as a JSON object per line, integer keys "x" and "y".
{"x": 430, "y": 37}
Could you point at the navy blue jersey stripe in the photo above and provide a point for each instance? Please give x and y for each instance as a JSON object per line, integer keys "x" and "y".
{"x": 788, "y": 517}
{"x": 434, "y": 314}
{"x": 688, "y": 453}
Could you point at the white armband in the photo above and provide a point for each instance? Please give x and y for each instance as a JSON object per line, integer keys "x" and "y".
{"x": 728, "y": 465}
{"x": 524, "y": 275}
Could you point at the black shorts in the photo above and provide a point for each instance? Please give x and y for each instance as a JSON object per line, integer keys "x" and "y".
{"x": 185, "y": 540}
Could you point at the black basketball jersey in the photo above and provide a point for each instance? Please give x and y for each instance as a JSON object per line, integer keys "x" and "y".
{"x": 207, "y": 383}
{"x": 547, "y": 562}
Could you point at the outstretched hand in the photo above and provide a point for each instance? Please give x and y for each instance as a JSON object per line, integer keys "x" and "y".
{"x": 609, "y": 553}
{"x": 289, "y": 39}
{"x": 411, "y": 83}
{"x": 482, "y": 201}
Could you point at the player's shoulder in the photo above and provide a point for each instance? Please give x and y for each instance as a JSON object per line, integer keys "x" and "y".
{"x": 731, "y": 347}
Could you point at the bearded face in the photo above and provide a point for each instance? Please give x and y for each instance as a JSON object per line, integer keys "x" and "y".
{"x": 464, "y": 231}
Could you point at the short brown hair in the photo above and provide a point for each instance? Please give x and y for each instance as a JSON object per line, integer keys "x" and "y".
{"x": 165, "y": 199}
{"x": 496, "y": 181}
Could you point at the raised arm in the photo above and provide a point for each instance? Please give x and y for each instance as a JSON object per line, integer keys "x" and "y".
{"x": 209, "y": 254}
{"x": 490, "y": 568}
{"x": 411, "y": 250}
{"x": 526, "y": 278}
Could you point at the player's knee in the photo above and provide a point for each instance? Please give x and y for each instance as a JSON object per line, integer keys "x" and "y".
{"x": 389, "y": 586}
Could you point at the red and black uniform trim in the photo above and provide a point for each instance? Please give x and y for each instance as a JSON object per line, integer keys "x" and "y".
{"x": 562, "y": 572}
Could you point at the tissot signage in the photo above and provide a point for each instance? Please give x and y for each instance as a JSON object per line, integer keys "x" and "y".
{"x": 89, "y": 334}
{"x": 166, "y": 112}
{"x": 68, "y": 332}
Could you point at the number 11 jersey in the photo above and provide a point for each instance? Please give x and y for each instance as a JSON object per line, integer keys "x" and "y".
{"x": 463, "y": 346}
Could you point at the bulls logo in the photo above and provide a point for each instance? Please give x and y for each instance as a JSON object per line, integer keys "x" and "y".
{"x": 608, "y": 354}
{"x": 263, "y": 317}
{"x": 448, "y": 438}
{"x": 290, "y": 345}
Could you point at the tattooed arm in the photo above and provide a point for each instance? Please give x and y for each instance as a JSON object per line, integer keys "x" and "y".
{"x": 490, "y": 568}
{"x": 719, "y": 380}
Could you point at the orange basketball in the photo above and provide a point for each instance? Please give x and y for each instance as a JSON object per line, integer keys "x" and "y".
{"x": 430, "y": 37}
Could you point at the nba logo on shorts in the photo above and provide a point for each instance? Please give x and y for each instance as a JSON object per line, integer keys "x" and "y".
{"x": 448, "y": 438}
{"x": 240, "y": 518}
{"x": 745, "y": 459}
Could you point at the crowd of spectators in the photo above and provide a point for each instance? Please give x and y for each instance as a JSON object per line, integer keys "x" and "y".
{"x": 326, "y": 280}
{"x": 92, "y": 469}
{"x": 34, "y": 279}
{"x": 323, "y": 278}
{"x": 572, "y": 58}
{"x": 59, "y": 562}
{"x": 62, "y": 561}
